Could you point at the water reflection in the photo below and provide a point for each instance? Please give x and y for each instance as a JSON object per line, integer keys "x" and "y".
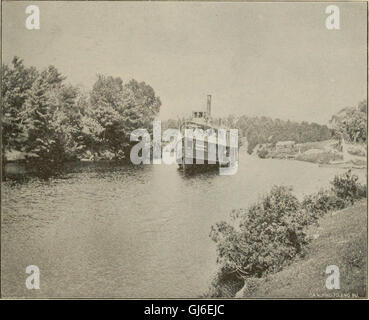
{"x": 113, "y": 230}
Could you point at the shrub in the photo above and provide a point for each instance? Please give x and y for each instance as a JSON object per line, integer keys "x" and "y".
{"x": 262, "y": 153}
{"x": 263, "y": 238}
{"x": 355, "y": 265}
{"x": 269, "y": 234}
{"x": 225, "y": 284}
{"x": 362, "y": 191}
{"x": 356, "y": 151}
{"x": 321, "y": 202}
{"x": 250, "y": 286}
{"x": 347, "y": 187}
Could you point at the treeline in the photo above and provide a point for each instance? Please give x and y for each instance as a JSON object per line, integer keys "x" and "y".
{"x": 260, "y": 130}
{"x": 349, "y": 124}
{"x": 50, "y": 121}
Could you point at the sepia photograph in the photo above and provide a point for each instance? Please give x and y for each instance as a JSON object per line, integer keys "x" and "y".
{"x": 184, "y": 150}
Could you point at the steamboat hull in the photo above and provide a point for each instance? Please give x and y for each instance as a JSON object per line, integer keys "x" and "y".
{"x": 204, "y": 155}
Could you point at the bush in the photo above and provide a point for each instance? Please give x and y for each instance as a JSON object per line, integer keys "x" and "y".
{"x": 262, "y": 153}
{"x": 321, "y": 202}
{"x": 225, "y": 284}
{"x": 263, "y": 238}
{"x": 362, "y": 191}
{"x": 268, "y": 235}
{"x": 347, "y": 187}
{"x": 250, "y": 286}
{"x": 356, "y": 151}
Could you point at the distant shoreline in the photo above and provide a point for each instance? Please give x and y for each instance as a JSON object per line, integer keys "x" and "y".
{"x": 325, "y": 153}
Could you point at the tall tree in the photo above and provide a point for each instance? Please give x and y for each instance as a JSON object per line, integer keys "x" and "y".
{"x": 16, "y": 83}
{"x": 51, "y": 120}
{"x": 119, "y": 109}
{"x": 351, "y": 123}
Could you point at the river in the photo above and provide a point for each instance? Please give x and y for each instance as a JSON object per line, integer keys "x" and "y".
{"x": 103, "y": 230}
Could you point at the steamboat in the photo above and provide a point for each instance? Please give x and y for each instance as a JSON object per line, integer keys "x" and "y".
{"x": 204, "y": 152}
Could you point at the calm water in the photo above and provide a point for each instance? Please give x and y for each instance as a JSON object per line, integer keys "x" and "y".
{"x": 105, "y": 231}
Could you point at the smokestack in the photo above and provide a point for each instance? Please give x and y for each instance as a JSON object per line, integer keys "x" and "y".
{"x": 208, "y": 106}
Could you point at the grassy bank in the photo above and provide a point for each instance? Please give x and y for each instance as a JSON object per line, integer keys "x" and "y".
{"x": 281, "y": 247}
{"x": 321, "y": 152}
{"x": 341, "y": 240}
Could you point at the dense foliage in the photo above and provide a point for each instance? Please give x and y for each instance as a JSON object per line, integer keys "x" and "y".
{"x": 50, "y": 121}
{"x": 263, "y": 237}
{"x": 16, "y": 83}
{"x": 321, "y": 202}
{"x": 260, "y": 130}
{"x": 351, "y": 123}
{"x": 347, "y": 187}
{"x": 271, "y": 233}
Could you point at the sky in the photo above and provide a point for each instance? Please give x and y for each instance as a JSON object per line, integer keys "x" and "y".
{"x": 255, "y": 59}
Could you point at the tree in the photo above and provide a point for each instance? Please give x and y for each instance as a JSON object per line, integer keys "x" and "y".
{"x": 67, "y": 118}
{"x": 16, "y": 82}
{"x": 51, "y": 120}
{"x": 106, "y": 109}
{"x": 350, "y": 123}
{"x": 264, "y": 237}
{"x": 117, "y": 110}
{"x": 260, "y": 130}
{"x": 141, "y": 97}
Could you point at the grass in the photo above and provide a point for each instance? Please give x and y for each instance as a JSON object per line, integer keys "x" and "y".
{"x": 341, "y": 240}
{"x": 323, "y": 154}
{"x": 322, "y": 158}
{"x": 322, "y": 145}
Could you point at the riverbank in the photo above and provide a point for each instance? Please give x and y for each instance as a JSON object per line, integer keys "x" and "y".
{"x": 21, "y": 169}
{"x": 327, "y": 152}
{"x": 341, "y": 240}
{"x": 257, "y": 245}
